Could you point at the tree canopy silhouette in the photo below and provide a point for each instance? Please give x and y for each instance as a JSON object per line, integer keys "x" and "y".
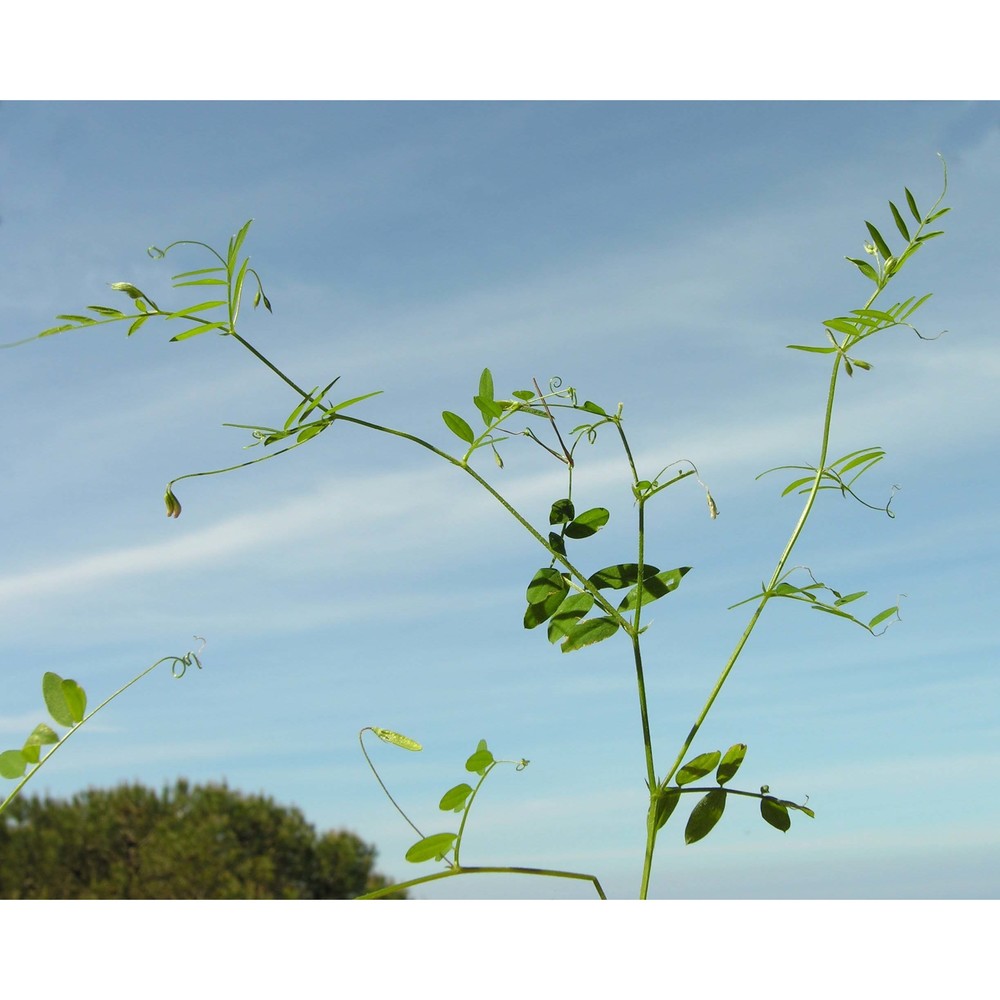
{"x": 188, "y": 842}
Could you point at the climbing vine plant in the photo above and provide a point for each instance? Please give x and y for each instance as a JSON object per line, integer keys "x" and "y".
{"x": 573, "y": 603}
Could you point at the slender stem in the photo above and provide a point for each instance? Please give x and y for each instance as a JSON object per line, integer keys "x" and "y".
{"x": 388, "y": 794}
{"x": 778, "y": 569}
{"x": 545, "y": 872}
{"x": 599, "y": 598}
{"x": 76, "y": 728}
{"x": 467, "y": 810}
{"x": 637, "y": 657}
{"x": 277, "y": 371}
{"x": 647, "y": 740}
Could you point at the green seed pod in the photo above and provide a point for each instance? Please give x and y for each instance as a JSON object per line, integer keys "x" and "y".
{"x": 173, "y": 504}
{"x": 128, "y": 288}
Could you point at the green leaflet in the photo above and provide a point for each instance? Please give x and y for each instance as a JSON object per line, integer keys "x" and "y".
{"x": 546, "y": 581}
{"x": 664, "y": 803}
{"x": 432, "y": 848}
{"x": 731, "y": 762}
{"x": 569, "y": 612}
{"x": 621, "y": 575}
{"x": 883, "y": 247}
{"x": 41, "y": 735}
{"x": 197, "y": 331}
{"x": 545, "y": 593}
{"x": 813, "y": 350}
{"x": 13, "y": 764}
{"x": 705, "y": 815}
{"x": 883, "y": 616}
{"x": 561, "y": 512}
{"x": 488, "y": 409}
{"x": 198, "y": 307}
{"x": 775, "y": 813}
{"x": 588, "y": 632}
{"x": 588, "y": 523}
{"x": 458, "y": 426}
{"x": 697, "y": 767}
{"x": 654, "y": 587}
{"x": 480, "y": 760}
{"x": 486, "y": 385}
{"x": 900, "y": 225}
{"x": 65, "y": 700}
{"x": 556, "y": 543}
{"x": 455, "y": 798}
{"x": 865, "y": 268}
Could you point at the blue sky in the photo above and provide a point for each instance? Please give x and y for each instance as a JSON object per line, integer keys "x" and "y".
{"x": 657, "y": 254}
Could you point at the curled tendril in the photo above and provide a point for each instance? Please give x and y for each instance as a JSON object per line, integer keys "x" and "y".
{"x": 179, "y": 664}
{"x": 713, "y": 509}
{"x": 521, "y": 764}
{"x": 555, "y": 383}
{"x": 864, "y": 503}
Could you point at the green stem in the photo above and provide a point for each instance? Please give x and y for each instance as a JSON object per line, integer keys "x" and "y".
{"x": 779, "y": 567}
{"x": 277, "y": 371}
{"x": 544, "y": 872}
{"x": 599, "y": 598}
{"x": 184, "y": 660}
{"x": 782, "y": 560}
{"x": 468, "y": 809}
{"x": 388, "y": 794}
